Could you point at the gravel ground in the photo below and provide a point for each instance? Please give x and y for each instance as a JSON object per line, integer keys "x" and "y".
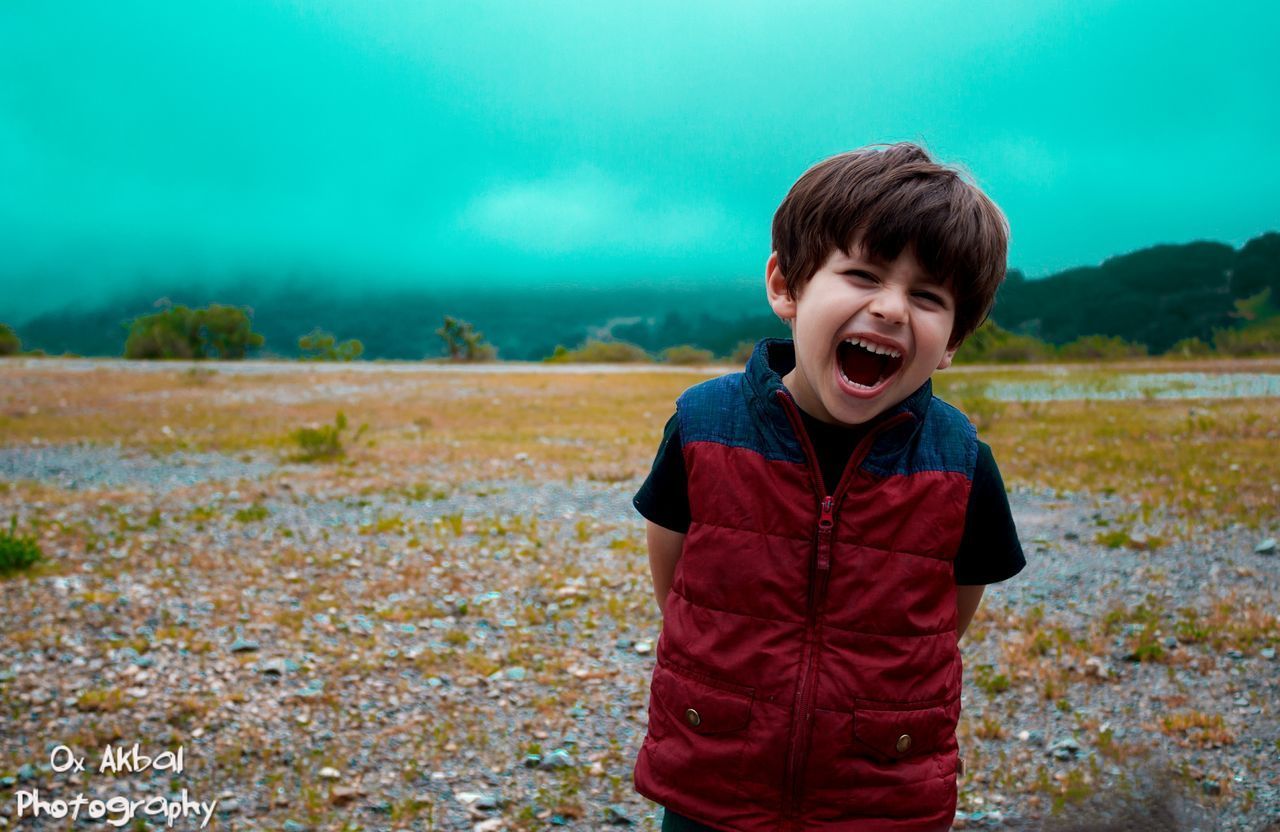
{"x": 477, "y": 658}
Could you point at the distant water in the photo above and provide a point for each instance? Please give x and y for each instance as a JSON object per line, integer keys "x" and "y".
{"x": 1139, "y": 386}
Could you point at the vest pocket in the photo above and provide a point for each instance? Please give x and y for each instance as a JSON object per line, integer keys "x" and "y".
{"x": 697, "y": 724}
{"x": 891, "y": 733}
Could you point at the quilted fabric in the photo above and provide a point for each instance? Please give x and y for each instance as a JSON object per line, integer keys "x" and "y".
{"x": 807, "y": 674}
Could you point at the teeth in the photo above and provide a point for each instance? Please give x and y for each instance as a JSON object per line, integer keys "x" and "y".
{"x": 878, "y": 349}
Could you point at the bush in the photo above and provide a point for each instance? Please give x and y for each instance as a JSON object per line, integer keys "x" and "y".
{"x": 686, "y": 354}
{"x": 463, "y": 343}
{"x": 599, "y": 352}
{"x": 179, "y": 332}
{"x": 318, "y": 345}
{"x": 1101, "y": 348}
{"x": 323, "y": 441}
{"x": 742, "y": 353}
{"x": 1260, "y": 338}
{"x": 10, "y": 343}
{"x": 1190, "y": 348}
{"x": 991, "y": 344}
{"x": 17, "y": 552}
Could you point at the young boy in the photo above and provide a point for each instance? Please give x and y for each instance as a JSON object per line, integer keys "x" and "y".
{"x": 821, "y": 527}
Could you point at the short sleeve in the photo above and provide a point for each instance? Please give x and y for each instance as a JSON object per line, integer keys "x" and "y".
{"x": 663, "y": 498}
{"x": 989, "y": 549}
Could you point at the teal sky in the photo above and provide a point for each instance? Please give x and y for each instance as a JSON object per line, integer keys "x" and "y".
{"x": 509, "y": 144}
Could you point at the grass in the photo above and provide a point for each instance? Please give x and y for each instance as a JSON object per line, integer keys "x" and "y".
{"x": 457, "y": 434}
{"x": 17, "y": 552}
{"x": 1198, "y": 729}
{"x": 1201, "y": 463}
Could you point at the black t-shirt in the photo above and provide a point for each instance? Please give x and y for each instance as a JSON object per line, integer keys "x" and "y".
{"x": 989, "y": 549}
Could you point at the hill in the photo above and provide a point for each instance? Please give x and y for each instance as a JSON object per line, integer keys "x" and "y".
{"x": 1155, "y": 296}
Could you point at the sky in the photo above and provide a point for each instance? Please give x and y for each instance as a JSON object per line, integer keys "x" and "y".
{"x": 374, "y": 144}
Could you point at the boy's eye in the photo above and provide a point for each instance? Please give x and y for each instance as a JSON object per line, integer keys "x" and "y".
{"x": 861, "y": 275}
{"x": 931, "y": 297}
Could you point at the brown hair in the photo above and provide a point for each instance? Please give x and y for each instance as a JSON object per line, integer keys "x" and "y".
{"x": 893, "y": 198}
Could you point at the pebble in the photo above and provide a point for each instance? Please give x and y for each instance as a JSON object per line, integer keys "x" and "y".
{"x": 1266, "y": 547}
{"x": 558, "y": 758}
{"x": 477, "y": 800}
{"x": 243, "y": 645}
{"x": 1064, "y": 749}
{"x": 342, "y": 795}
{"x": 1097, "y": 666}
{"x": 314, "y": 688}
{"x": 643, "y": 648}
{"x": 329, "y": 773}
{"x": 616, "y": 816}
{"x": 276, "y": 667}
{"x": 490, "y": 825}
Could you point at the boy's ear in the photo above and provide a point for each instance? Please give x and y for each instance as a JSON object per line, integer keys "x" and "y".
{"x": 947, "y": 356}
{"x": 775, "y": 285}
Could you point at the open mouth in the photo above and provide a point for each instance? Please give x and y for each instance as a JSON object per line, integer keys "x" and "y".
{"x": 867, "y": 365}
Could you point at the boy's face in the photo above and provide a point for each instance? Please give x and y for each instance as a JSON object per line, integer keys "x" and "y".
{"x": 867, "y": 333}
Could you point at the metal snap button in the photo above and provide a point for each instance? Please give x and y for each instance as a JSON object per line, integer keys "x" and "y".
{"x": 691, "y": 716}
{"x": 904, "y": 743}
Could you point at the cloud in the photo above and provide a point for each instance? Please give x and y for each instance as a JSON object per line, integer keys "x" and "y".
{"x": 587, "y": 211}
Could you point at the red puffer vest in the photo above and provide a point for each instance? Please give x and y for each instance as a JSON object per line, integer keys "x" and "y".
{"x": 808, "y": 676}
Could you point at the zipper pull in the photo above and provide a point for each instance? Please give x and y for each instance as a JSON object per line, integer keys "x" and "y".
{"x": 825, "y": 524}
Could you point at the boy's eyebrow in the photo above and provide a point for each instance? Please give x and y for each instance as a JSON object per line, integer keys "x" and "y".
{"x": 853, "y": 258}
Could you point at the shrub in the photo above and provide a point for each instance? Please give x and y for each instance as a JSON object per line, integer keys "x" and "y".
{"x": 1262, "y": 338}
{"x": 318, "y": 345}
{"x": 991, "y": 344}
{"x": 463, "y": 343}
{"x": 10, "y": 343}
{"x": 1189, "y": 348}
{"x": 17, "y": 552}
{"x": 1101, "y": 348}
{"x": 323, "y": 441}
{"x": 599, "y": 352}
{"x": 742, "y": 353}
{"x": 686, "y": 354}
{"x": 179, "y": 332}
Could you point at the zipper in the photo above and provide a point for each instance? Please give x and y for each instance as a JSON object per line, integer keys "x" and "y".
{"x": 825, "y": 524}
{"x": 819, "y": 571}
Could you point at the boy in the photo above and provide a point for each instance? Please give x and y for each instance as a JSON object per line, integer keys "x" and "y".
{"x": 821, "y": 527}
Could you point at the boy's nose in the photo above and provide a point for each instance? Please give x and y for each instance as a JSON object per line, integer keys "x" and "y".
{"x": 890, "y": 306}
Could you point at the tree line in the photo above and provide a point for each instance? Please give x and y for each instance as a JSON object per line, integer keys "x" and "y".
{"x": 1196, "y": 299}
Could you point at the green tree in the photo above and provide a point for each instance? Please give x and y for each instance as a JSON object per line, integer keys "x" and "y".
{"x": 180, "y": 332}
{"x": 463, "y": 343}
{"x": 1260, "y": 332}
{"x": 170, "y": 333}
{"x": 319, "y": 345}
{"x": 227, "y": 331}
{"x": 10, "y": 343}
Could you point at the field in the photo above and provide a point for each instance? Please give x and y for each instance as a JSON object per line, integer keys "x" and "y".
{"x": 435, "y": 611}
